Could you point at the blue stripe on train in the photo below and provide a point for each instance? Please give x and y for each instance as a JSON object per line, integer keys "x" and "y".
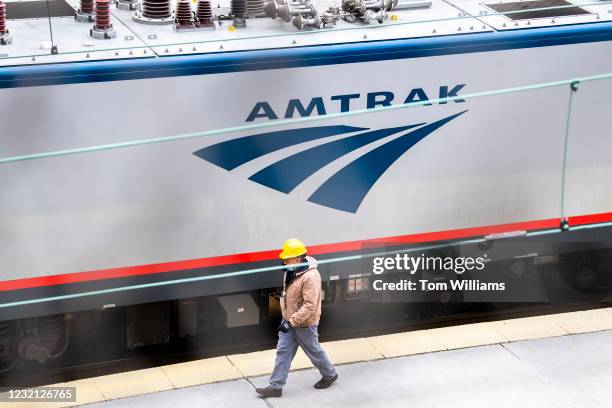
{"x": 235, "y": 152}
{"x": 288, "y": 173}
{"x": 347, "y": 188}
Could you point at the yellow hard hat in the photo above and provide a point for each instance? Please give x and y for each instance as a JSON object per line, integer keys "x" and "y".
{"x": 291, "y": 248}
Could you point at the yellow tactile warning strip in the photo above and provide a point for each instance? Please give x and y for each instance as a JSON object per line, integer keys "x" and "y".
{"x": 340, "y": 352}
{"x": 262, "y": 362}
{"x": 469, "y": 335}
{"x": 530, "y": 328}
{"x": 351, "y": 351}
{"x": 254, "y": 364}
{"x": 300, "y": 361}
{"x": 405, "y": 344}
{"x": 201, "y": 372}
{"x": 586, "y": 321}
{"x": 123, "y": 385}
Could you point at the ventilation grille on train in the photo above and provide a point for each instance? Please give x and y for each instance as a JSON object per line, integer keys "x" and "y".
{"x": 16, "y": 10}
{"x": 515, "y": 8}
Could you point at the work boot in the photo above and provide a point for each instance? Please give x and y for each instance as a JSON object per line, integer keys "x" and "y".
{"x": 325, "y": 382}
{"x": 269, "y": 392}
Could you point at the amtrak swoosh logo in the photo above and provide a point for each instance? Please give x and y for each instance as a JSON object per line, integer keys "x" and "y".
{"x": 346, "y": 189}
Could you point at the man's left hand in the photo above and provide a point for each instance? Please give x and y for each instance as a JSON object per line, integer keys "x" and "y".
{"x": 285, "y": 326}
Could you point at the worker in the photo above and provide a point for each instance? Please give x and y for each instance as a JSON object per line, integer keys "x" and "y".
{"x": 301, "y": 310}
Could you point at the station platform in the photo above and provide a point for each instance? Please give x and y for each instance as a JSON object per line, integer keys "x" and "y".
{"x": 569, "y": 371}
{"x": 560, "y": 360}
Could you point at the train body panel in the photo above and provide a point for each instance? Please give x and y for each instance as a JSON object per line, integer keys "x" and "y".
{"x": 478, "y": 162}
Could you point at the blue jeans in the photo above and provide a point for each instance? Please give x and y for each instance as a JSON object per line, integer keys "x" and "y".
{"x": 308, "y": 339}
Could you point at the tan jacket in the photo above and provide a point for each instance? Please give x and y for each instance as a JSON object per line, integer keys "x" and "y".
{"x": 301, "y": 300}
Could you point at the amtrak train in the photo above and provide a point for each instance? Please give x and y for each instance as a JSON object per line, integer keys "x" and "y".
{"x": 116, "y": 193}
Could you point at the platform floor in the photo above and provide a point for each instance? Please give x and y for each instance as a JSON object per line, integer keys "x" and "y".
{"x": 568, "y": 371}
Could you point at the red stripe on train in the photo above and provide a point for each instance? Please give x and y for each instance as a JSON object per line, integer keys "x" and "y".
{"x": 167, "y": 267}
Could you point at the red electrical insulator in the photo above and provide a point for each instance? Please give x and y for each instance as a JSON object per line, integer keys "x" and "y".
{"x": 87, "y": 6}
{"x": 103, "y": 15}
{"x": 204, "y": 15}
{"x": 85, "y": 13}
{"x": 2, "y": 17}
{"x": 183, "y": 15}
{"x": 103, "y": 28}
{"x": 154, "y": 12}
{"x": 5, "y": 36}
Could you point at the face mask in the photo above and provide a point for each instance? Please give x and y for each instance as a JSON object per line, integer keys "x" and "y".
{"x": 295, "y": 267}
{"x": 290, "y": 268}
